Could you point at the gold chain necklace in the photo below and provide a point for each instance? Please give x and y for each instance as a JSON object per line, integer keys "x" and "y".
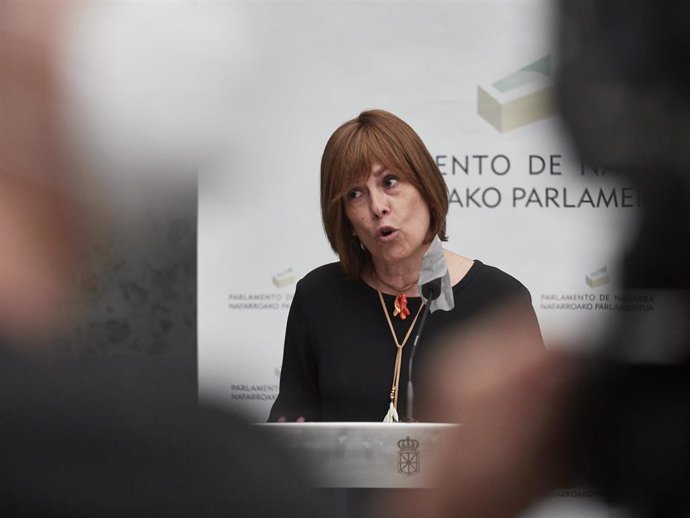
{"x": 392, "y": 414}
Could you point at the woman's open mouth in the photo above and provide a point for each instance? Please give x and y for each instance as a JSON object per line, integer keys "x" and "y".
{"x": 385, "y": 233}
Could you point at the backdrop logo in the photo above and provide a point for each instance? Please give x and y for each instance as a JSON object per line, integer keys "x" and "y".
{"x": 522, "y": 97}
{"x": 263, "y": 300}
{"x": 254, "y": 392}
{"x": 598, "y": 278}
{"x": 282, "y": 279}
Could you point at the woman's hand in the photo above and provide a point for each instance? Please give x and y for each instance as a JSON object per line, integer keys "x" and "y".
{"x": 283, "y": 419}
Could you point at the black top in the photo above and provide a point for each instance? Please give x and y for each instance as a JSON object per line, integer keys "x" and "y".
{"x": 339, "y": 353}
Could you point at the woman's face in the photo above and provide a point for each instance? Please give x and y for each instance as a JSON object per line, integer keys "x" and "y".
{"x": 389, "y": 216}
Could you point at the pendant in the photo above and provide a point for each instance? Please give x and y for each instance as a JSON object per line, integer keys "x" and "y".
{"x": 400, "y": 306}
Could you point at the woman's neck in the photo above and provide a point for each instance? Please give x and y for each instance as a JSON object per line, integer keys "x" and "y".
{"x": 396, "y": 277}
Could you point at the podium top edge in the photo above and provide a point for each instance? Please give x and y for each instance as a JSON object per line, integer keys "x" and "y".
{"x": 360, "y": 424}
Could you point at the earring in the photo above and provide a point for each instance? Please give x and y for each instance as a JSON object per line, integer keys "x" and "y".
{"x": 357, "y": 241}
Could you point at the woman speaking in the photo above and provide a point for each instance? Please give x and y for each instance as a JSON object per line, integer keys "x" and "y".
{"x": 384, "y": 204}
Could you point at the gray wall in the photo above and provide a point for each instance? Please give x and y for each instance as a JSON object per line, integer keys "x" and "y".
{"x": 135, "y": 296}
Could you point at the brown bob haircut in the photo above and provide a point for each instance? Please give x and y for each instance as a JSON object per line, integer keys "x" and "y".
{"x": 375, "y": 137}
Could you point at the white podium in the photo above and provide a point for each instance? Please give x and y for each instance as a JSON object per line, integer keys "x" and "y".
{"x": 364, "y": 455}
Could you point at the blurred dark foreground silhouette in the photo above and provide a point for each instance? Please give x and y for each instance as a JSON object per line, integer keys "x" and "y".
{"x": 79, "y": 439}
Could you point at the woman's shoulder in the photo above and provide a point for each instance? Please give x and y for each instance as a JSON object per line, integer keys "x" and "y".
{"x": 468, "y": 273}
{"x": 493, "y": 279}
{"x": 322, "y": 277}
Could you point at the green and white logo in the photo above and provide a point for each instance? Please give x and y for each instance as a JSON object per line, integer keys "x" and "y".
{"x": 522, "y": 97}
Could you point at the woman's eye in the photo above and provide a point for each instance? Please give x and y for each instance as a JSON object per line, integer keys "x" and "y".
{"x": 390, "y": 180}
{"x": 354, "y": 193}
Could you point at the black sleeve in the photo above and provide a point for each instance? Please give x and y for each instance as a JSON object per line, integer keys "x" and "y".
{"x": 527, "y": 310}
{"x": 299, "y": 384}
{"x": 515, "y": 296}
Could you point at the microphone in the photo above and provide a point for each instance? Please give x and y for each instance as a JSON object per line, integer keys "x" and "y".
{"x": 430, "y": 291}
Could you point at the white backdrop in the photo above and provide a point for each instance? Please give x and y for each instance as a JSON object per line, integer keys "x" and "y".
{"x": 521, "y": 200}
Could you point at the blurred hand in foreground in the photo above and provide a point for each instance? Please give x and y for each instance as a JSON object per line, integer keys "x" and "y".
{"x": 38, "y": 223}
{"x": 511, "y": 396}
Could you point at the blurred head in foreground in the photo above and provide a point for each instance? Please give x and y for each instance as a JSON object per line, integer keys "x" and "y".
{"x": 624, "y": 91}
{"x": 108, "y": 109}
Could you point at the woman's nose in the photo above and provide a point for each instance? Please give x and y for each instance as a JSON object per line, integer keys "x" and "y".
{"x": 379, "y": 204}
